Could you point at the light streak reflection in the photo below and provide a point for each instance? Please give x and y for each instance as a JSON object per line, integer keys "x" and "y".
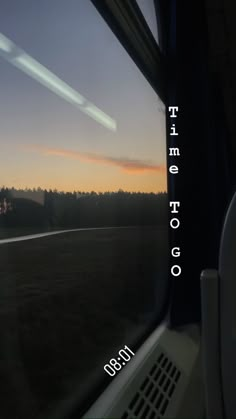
{"x": 27, "y": 64}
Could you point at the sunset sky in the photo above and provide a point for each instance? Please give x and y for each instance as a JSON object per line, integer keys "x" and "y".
{"x": 47, "y": 137}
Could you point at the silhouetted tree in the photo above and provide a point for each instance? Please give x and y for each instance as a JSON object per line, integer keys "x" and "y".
{"x": 56, "y": 209}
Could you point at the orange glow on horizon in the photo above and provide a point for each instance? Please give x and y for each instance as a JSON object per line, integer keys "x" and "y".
{"x": 68, "y": 170}
{"x": 76, "y": 189}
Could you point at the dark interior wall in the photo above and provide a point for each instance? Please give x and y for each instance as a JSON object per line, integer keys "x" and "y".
{"x": 204, "y": 184}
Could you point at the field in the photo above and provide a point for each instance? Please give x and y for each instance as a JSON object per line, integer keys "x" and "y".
{"x": 68, "y": 303}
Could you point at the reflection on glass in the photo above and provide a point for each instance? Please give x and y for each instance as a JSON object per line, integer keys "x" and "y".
{"x": 37, "y": 71}
{"x": 70, "y": 301}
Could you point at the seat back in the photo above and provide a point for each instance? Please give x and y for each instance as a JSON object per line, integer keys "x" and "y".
{"x": 218, "y": 297}
{"x": 227, "y": 303}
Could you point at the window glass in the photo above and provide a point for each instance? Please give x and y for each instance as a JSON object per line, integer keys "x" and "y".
{"x": 83, "y": 150}
{"x": 147, "y": 7}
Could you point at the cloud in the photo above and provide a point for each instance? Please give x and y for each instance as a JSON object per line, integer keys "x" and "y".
{"x": 131, "y": 166}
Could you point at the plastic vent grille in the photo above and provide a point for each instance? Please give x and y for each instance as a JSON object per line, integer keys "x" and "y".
{"x": 155, "y": 392}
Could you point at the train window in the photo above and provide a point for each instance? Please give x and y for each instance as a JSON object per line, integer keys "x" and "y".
{"x": 147, "y": 8}
{"x": 83, "y": 203}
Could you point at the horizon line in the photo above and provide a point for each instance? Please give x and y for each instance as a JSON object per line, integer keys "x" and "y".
{"x": 40, "y": 189}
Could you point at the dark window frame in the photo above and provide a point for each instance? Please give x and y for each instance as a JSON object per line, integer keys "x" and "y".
{"x": 127, "y": 22}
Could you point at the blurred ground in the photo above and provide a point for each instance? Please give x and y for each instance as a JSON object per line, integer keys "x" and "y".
{"x": 68, "y": 303}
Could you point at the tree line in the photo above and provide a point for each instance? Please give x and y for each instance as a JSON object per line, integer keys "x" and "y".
{"x": 52, "y": 209}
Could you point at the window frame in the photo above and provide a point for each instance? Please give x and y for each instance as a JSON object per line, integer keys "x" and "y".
{"x": 127, "y": 22}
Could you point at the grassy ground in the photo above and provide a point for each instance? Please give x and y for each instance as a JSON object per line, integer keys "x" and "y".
{"x": 68, "y": 303}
